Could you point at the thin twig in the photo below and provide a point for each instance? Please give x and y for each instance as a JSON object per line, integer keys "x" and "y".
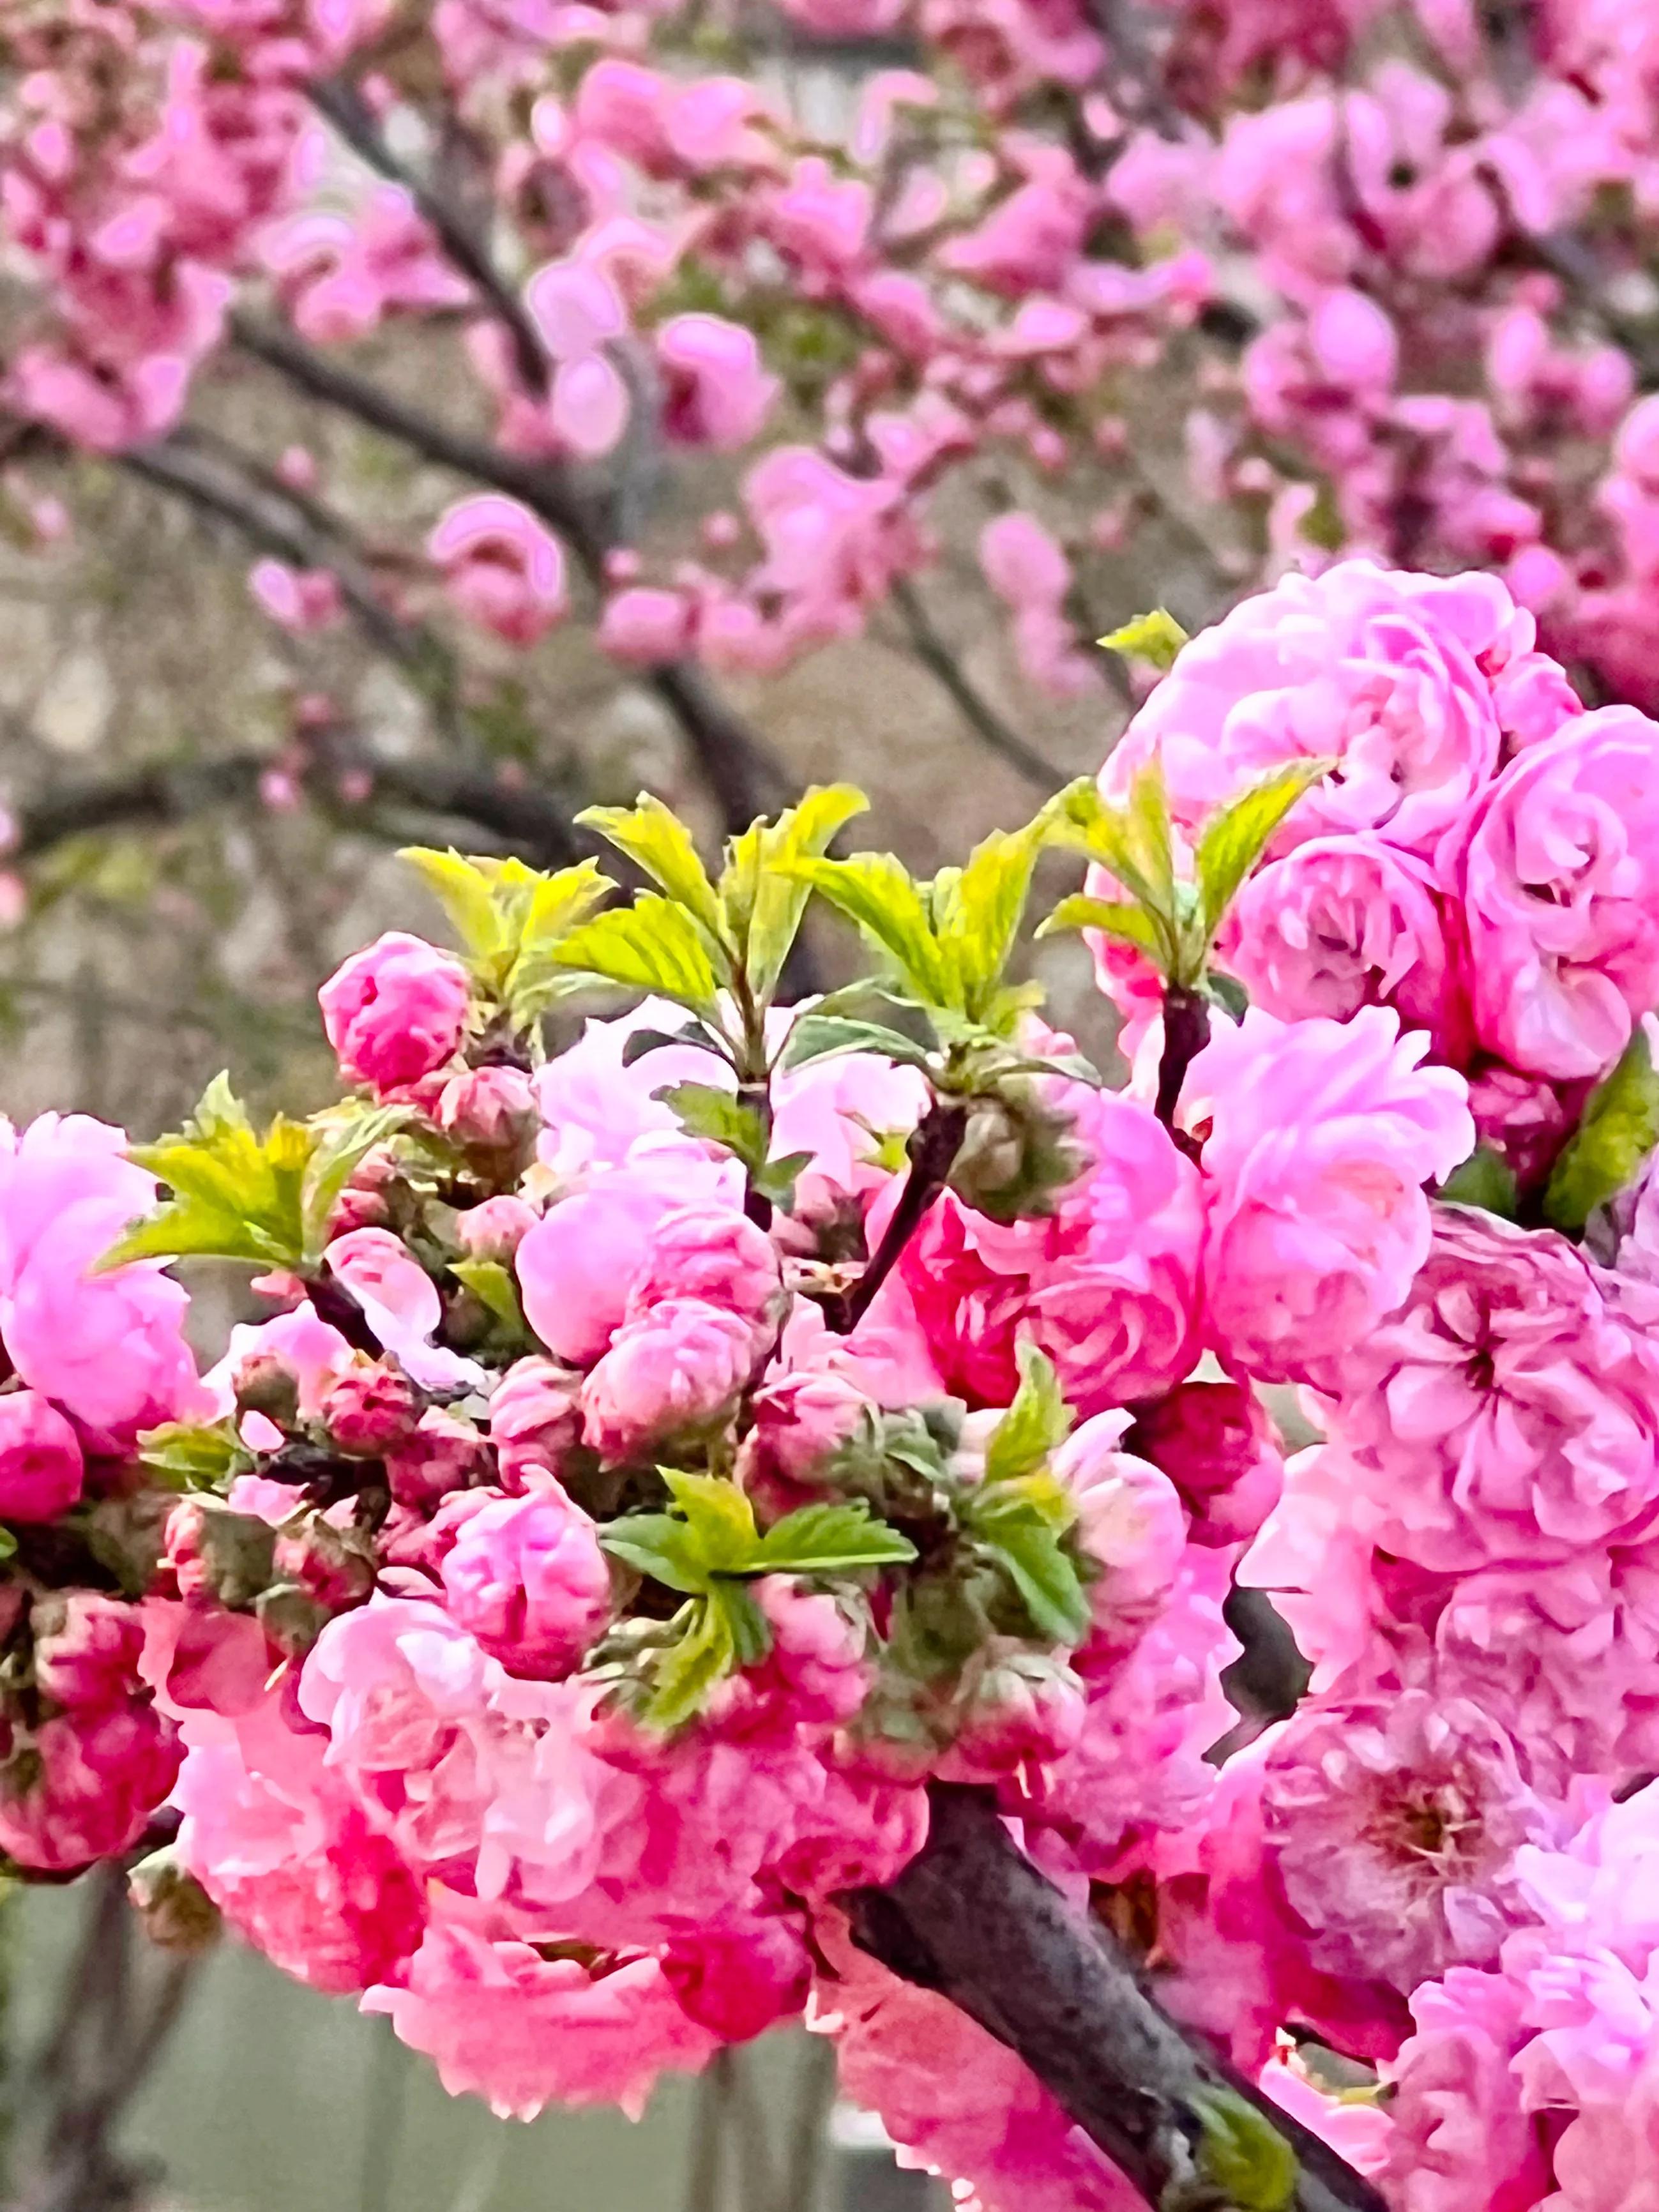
{"x": 928, "y": 646}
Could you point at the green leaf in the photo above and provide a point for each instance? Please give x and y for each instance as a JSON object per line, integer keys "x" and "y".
{"x": 1048, "y": 1585}
{"x": 693, "y": 1667}
{"x": 718, "y": 1116}
{"x": 1148, "y": 819}
{"x": 1227, "y": 993}
{"x": 1616, "y": 1131}
{"x": 720, "y": 1516}
{"x": 639, "y": 1042}
{"x": 1037, "y": 1422}
{"x": 1234, "y": 839}
{"x": 8, "y": 1543}
{"x": 542, "y": 915}
{"x": 1114, "y": 918}
{"x": 1083, "y": 821}
{"x": 977, "y": 909}
{"x": 761, "y": 898}
{"x": 824, "y": 1539}
{"x": 751, "y": 1633}
{"x": 1154, "y": 638}
{"x": 341, "y": 1141}
{"x": 816, "y": 1037}
{"x": 878, "y": 894}
{"x": 1240, "y": 2153}
{"x": 466, "y": 894}
{"x": 654, "y": 837}
{"x": 234, "y": 1195}
{"x": 1485, "y": 1179}
{"x": 186, "y": 1455}
{"x": 659, "y": 1545}
{"x": 652, "y": 945}
{"x": 493, "y": 1285}
{"x": 777, "y": 1178}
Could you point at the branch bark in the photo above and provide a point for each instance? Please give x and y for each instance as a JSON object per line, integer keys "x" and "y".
{"x": 972, "y": 1919}
{"x": 930, "y": 648}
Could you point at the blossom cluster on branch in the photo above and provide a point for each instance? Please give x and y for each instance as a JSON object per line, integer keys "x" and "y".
{"x": 672, "y": 1459}
{"x": 1391, "y": 258}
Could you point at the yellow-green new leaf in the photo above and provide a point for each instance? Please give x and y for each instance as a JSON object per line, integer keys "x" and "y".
{"x": 652, "y": 945}
{"x": 1112, "y": 918}
{"x": 1233, "y": 839}
{"x": 878, "y": 894}
{"x": 1154, "y": 638}
{"x": 691, "y": 1668}
{"x": 977, "y": 909}
{"x": 466, "y": 895}
{"x": 231, "y": 1196}
{"x": 653, "y": 835}
{"x": 1085, "y": 823}
{"x": 555, "y": 905}
{"x": 1240, "y": 2153}
{"x": 762, "y": 899}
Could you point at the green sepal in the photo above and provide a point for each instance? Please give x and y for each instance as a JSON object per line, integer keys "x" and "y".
{"x": 1616, "y": 1131}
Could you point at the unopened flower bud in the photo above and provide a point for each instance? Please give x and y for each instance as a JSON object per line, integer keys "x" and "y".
{"x": 177, "y": 1912}
{"x": 494, "y": 1230}
{"x": 219, "y": 1554}
{"x": 335, "y": 1565}
{"x": 267, "y": 1384}
{"x": 491, "y": 1108}
{"x": 86, "y": 1647}
{"x": 369, "y": 1409}
{"x": 1017, "y": 1155}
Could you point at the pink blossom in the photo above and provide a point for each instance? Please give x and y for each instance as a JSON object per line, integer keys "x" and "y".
{"x": 1456, "y": 2111}
{"x": 86, "y": 1785}
{"x": 301, "y": 600}
{"x": 492, "y": 1108}
{"x": 644, "y": 624}
{"x": 579, "y": 315}
{"x": 534, "y": 1419}
{"x": 86, "y": 1648}
{"x": 1509, "y": 1409}
{"x": 737, "y": 1982}
{"x": 526, "y": 1575}
{"x": 576, "y": 1266}
{"x": 714, "y": 1253}
{"x": 798, "y": 1421}
{"x": 395, "y": 1012}
{"x": 819, "y": 1655}
{"x": 523, "y": 2031}
{"x": 1561, "y": 896}
{"x": 42, "y": 1469}
{"x": 290, "y": 1861}
{"x": 1217, "y": 1443}
{"x": 444, "y": 1453}
{"x": 1322, "y": 1135}
{"x": 1130, "y": 1523}
{"x": 1393, "y": 1829}
{"x": 718, "y": 393}
{"x": 500, "y": 567}
{"x": 369, "y": 1408}
{"x": 1381, "y": 670}
{"x": 679, "y": 1369}
{"x": 1107, "y": 1286}
{"x": 1341, "y": 923}
{"x": 495, "y": 1229}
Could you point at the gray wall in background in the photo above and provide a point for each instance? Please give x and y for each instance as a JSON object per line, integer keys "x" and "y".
{"x": 273, "y": 2098}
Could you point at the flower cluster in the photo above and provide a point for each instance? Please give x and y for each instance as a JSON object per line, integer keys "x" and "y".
{"x": 669, "y": 1462}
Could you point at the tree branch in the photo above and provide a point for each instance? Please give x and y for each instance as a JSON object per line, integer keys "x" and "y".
{"x": 972, "y": 1919}
{"x": 344, "y": 107}
{"x": 930, "y": 648}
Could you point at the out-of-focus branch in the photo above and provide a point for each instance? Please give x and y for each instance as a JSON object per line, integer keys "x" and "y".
{"x": 930, "y": 648}
{"x": 522, "y": 818}
{"x": 344, "y": 106}
{"x": 745, "y": 779}
{"x": 261, "y": 516}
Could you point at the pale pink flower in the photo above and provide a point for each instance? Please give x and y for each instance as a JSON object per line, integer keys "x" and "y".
{"x": 395, "y": 1012}
{"x": 527, "y": 1575}
{"x": 534, "y": 1419}
{"x": 501, "y": 568}
{"x": 679, "y": 1369}
{"x": 502, "y": 2023}
{"x": 1380, "y": 669}
{"x": 1130, "y": 1524}
{"x": 716, "y": 1253}
{"x": 1341, "y": 923}
{"x": 1508, "y": 1410}
{"x": 1458, "y": 2118}
{"x": 1322, "y": 1136}
{"x": 1556, "y": 870}
{"x": 41, "y": 1468}
{"x": 578, "y": 1263}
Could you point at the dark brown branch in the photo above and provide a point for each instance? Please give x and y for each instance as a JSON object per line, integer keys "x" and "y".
{"x": 972, "y": 1919}
{"x": 1186, "y": 1033}
{"x": 932, "y": 1151}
